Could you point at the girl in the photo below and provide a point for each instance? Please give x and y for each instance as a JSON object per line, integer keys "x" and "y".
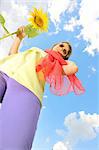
{"x": 22, "y": 88}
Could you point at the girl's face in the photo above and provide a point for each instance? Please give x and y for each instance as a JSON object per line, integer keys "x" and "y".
{"x": 62, "y": 48}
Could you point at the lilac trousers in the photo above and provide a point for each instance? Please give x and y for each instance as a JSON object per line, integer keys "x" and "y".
{"x": 19, "y": 114}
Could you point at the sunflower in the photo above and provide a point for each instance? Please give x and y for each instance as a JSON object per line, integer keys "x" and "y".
{"x": 39, "y": 19}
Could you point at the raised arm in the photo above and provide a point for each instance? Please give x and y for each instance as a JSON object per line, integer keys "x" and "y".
{"x": 15, "y": 46}
{"x": 70, "y": 69}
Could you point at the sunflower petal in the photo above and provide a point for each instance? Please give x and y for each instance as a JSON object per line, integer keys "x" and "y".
{"x": 39, "y": 19}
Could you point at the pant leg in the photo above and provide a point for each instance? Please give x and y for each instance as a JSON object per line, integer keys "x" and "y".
{"x": 2, "y": 87}
{"x": 19, "y": 116}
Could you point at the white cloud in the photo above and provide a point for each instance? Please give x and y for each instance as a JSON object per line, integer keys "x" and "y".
{"x": 81, "y": 127}
{"x": 45, "y": 96}
{"x": 72, "y": 5}
{"x": 92, "y": 120}
{"x": 89, "y": 20}
{"x": 72, "y": 23}
{"x": 57, "y": 9}
{"x": 93, "y": 69}
{"x": 16, "y": 17}
{"x": 61, "y": 146}
{"x": 43, "y": 107}
{"x": 5, "y": 47}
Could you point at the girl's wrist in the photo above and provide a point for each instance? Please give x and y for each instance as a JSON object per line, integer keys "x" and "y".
{"x": 19, "y": 38}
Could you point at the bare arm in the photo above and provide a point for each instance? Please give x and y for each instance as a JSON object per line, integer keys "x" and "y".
{"x": 15, "y": 46}
{"x": 70, "y": 69}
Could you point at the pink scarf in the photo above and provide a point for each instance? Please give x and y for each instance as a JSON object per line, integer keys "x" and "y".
{"x": 60, "y": 84}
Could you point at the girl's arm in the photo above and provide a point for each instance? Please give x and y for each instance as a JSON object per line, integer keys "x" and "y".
{"x": 17, "y": 41}
{"x": 70, "y": 68}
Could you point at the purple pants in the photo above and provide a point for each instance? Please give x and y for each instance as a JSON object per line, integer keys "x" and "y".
{"x": 19, "y": 114}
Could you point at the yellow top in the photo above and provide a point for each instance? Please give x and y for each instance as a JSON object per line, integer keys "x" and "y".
{"x": 21, "y": 67}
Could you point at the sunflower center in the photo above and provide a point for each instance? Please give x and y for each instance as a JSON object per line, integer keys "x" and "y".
{"x": 38, "y": 21}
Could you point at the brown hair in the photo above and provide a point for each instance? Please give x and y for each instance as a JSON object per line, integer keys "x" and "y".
{"x": 69, "y": 52}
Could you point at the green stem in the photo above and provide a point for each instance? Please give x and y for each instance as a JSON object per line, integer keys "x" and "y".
{"x": 5, "y": 36}
{"x": 5, "y": 29}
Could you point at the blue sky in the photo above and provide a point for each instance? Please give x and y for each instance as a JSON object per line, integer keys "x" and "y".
{"x": 84, "y": 109}
{"x": 57, "y": 108}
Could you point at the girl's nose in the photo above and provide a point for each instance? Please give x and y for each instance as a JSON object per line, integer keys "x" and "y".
{"x": 64, "y": 51}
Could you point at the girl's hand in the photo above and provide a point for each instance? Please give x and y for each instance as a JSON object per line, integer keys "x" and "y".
{"x": 70, "y": 68}
{"x": 21, "y": 33}
{"x": 17, "y": 41}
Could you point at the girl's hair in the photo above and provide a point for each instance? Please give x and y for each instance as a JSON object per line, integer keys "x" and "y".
{"x": 69, "y": 52}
